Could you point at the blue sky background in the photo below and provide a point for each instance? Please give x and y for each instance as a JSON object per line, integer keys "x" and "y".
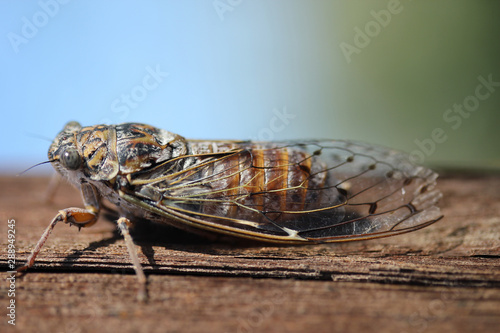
{"x": 232, "y": 69}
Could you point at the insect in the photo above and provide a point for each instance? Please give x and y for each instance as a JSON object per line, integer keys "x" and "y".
{"x": 292, "y": 192}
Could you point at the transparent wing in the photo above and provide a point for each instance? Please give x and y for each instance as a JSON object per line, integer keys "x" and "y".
{"x": 314, "y": 191}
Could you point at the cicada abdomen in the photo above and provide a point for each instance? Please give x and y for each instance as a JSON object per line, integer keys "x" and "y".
{"x": 295, "y": 192}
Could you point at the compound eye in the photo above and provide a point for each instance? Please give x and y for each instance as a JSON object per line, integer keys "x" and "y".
{"x": 71, "y": 159}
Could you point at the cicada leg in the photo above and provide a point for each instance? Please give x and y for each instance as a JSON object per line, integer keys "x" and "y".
{"x": 75, "y": 216}
{"x": 123, "y": 225}
{"x": 86, "y": 217}
{"x": 81, "y": 217}
{"x": 50, "y": 192}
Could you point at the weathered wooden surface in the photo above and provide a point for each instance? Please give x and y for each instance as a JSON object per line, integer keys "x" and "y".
{"x": 443, "y": 278}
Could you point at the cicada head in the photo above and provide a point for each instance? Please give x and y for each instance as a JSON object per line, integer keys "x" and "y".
{"x": 88, "y": 152}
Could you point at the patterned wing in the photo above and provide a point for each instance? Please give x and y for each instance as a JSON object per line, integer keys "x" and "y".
{"x": 292, "y": 192}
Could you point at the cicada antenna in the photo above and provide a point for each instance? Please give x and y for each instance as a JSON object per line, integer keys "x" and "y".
{"x": 55, "y": 180}
{"x": 38, "y": 136}
{"x": 31, "y": 167}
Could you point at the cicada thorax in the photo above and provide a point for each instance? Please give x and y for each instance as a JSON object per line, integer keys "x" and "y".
{"x": 107, "y": 151}
{"x": 141, "y": 146}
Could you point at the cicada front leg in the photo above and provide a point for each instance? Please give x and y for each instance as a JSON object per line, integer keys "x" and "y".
{"x": 81, "y": 217}
{"x": 76, "y": 216}
{"x": 86, "y": 217}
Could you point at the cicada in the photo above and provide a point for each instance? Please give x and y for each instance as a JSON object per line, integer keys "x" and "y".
{"x": 289, "y": 192}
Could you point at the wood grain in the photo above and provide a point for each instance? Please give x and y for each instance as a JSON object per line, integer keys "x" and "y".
{"x": 443, "y": 278}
